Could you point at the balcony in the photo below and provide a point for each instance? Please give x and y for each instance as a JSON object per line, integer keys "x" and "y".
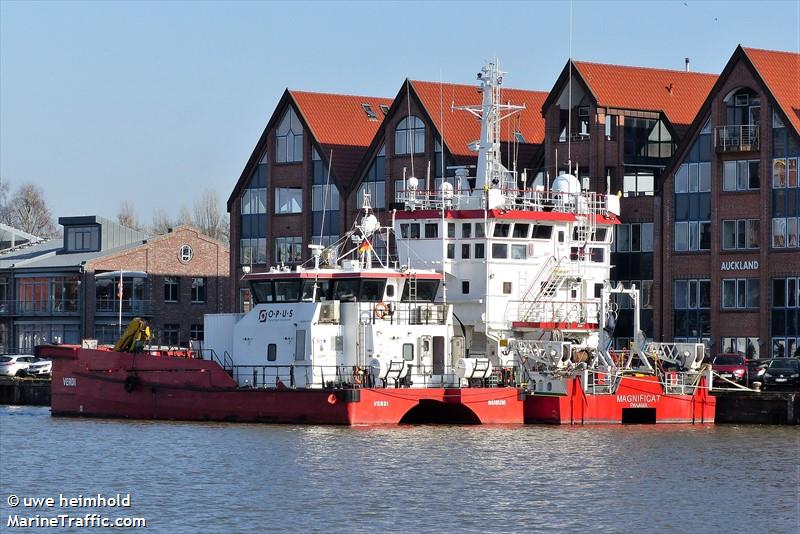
{"x": 129, "y": 307}
{"x": 738, "y": 138}
{"x": 40, "y": 307}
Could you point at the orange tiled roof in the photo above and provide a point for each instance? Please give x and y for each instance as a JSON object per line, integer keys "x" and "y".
{"x": 677, "y": 93}
{"x": 340, "y": 123}
{"x": 461, "y": 128}
{"x": 340, "y": 119}
{"x": 781, "y": 72}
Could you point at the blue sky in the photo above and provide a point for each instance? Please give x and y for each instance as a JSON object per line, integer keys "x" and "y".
{"x": 153, "y": 102}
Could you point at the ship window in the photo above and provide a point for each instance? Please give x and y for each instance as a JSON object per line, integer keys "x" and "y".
{"x": 499, "y": 250}
{"x": 560, "y": 236}
{"x": 501, "y": 229}
{"x": 451, "y": 230}
{"x": 451, "y": 251}
{"x": 506, "y": 288}
{"x": 272, "y": 352}
{"x": 600, "y": 235}
{"x": 323, "y": 290}
{"x": 466, "y": 230}
{"x": 479, "y": 230}
{"x": 465, "y": 287}
{"x": 262, "y": 291}
{"x": 465, "y": 251}
{"x": 597, "y": 255}
{"x": 431, "y": 230}
{"x": 287, "y": 290}
{"x": 372, "y": 290}
{"x": 520, "y": 230}
{"x": 404, "y": 231}
{"x": 426, "y": 290}
{"x": 345, "y": 290}
{"x": 542, "y": 231}
{"x": 519, "y": 252}
{"x": 598, "y": 291}
{"x": 390, "y": 290}
{"x": 414, "y": 231}
{"x": 408, "y": 352}
{"x": 479, "y": 251}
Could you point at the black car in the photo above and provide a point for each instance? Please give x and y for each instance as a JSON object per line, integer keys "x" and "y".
{"x": 782, "y": 372}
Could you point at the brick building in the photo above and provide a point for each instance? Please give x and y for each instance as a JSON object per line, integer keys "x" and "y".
{"x": 285, "y": 197}
{"x": 730, "y": 262}
{"x": 620, "y": 132}
{"x": 67, "y": 289}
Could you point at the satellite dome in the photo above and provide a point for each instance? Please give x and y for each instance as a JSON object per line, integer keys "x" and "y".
{"x": 567, "y": 183}
{"x": 413, "y": 183}
{"x": 447, "y": 190}
{"x": 370, "y": 224}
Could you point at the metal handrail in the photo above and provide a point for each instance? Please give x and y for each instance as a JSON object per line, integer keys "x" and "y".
{"x": 738, "y": 137}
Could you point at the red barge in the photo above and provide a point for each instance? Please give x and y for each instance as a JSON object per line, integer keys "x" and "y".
{"x": 514, "y": 324}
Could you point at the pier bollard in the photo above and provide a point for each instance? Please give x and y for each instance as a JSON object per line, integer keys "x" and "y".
{"x": 756, "y": 386}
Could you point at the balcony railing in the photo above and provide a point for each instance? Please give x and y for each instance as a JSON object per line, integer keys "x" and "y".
{"x": 737, "y": 138}
{"x": 39, "y": 307}
{"x": 129, "y": 307}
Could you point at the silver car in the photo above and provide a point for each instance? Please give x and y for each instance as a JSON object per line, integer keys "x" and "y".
{"x": 16, "y": 364}
{"x": 41, "y": 367}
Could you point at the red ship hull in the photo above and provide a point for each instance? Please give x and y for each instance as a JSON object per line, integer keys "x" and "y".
{"x": 103, "y": 383}
{"x": 98, "y": 383}
{"x": 638, "y": 399}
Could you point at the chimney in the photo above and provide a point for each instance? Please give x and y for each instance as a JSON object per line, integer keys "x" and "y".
{"x": 686, "y": 63}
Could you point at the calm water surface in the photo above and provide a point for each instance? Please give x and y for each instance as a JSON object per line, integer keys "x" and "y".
{"x": 186, "y": 477}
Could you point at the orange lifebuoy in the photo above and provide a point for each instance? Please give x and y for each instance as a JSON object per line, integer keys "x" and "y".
{"x": 381, "y": 310}
{"x": 332, "y": 399}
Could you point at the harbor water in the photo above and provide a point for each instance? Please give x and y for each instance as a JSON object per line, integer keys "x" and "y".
{"x": 211, "y": 477}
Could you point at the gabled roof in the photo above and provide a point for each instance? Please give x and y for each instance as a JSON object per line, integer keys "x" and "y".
{"x": 781, "y": 74}
{"x": 676, "y": 93}
{"x": 459, "y": 128}
{"x": 335, "y": 122}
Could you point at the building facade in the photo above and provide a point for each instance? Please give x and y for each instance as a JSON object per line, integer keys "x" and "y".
{"x": 617, "y": 127}
{"x": 730, "y": 258}
{"x": 100, "y": 275}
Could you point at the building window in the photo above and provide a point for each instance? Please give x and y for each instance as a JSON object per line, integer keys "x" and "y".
{"x": 374, "y": 182}
{"x": 289, "y": 139}
{"x": 785, "y": 202}
{"x": 254, "y": 201}
{"x": 198, "y": 290}
{"x": 171, "y": 289}
{"x": 692, "y": 207}
{"x": 288, "y": 200}
{"x": 747, "y": 346}
{"x": 740, "y": 293}
{"x": 691, "y": 315}
{"x": 288, "y": 250}
{"x": 611, "y": 127}
{"x": 170, "y": 334}
{"x": 196, "y": 332}
{"x": 252, "y": 251}
{"x": 82, "y": 238}
{"x": 784, "y": 317}
{"x": 646, "y": 141}
{"x": 634, "y": 237}
{"x": 741, "y": 175}
{"x": 741, "y": 234}
{"x": 325, "y": 213}
{"x": 245, "y": 303}
{"x": 409, "y": 136}
{"x": 638, "y": 183}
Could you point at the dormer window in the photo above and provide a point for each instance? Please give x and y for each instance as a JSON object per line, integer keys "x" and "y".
{"x": 82, "y": 238}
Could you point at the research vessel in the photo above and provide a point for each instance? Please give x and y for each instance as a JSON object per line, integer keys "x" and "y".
{"x": 491, "y": 302}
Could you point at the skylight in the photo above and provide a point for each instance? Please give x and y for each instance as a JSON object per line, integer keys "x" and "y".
{"x": 385, "y": 109}
{"x": 368, "y": 110}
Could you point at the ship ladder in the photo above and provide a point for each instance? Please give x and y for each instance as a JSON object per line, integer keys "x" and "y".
{"x": 412, "y": 287}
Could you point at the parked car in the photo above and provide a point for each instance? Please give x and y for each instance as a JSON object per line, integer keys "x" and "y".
{"x": 16, "y": 365}
{"x": 732, "y": 367}
{"x": 782, "y": 372}
{"x": 42, "y": 367}
{"x": 755, "y": 370}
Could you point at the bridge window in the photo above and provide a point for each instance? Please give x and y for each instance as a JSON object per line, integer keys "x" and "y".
{"x": 466, "y": 230}
{"x": 501, "y": 229}
{"x": 431, "y": 230}
{"x": 345, "y": 290}
{"x": 262, "y": 291}
{"x": 287, "y": 290}
{"x": 499, "y": 250}
{"x": 480, "y": 252}
{"x": 519, "y": 252}
{"x": 372, "y": 290}
{"x": 426, "y": 291}
{"x": 520, "y": 230}
{"x": 542, "y": 231}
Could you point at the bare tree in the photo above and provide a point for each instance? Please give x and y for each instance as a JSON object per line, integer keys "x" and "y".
{"x": 127, "y": 215}
{"x": 3, "y": 200}
{"x": 207, "y": 216}
{"x": 28, "y": 211}
{"x": 161, "y": 222}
